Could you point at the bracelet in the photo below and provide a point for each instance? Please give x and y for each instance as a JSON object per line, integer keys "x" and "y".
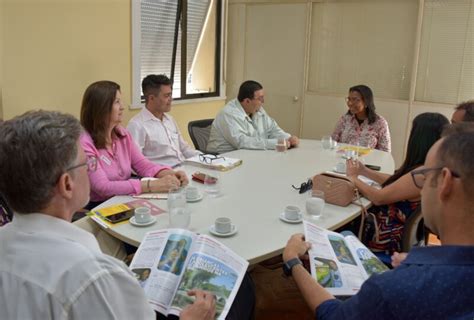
{"x": 148, "y": 185}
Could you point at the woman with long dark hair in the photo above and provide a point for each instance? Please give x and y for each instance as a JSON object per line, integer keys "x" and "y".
{"x": 399, "y": 197}
{"x": 114, "y": 151}
{"x": 361, "y": 125}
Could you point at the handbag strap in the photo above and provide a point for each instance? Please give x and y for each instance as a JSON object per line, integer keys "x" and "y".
{"x": 364, "y": 213}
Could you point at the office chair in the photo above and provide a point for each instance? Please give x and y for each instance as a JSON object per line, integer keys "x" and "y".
{"x": 414, "y": 234}
{"x": 199, "y": 131}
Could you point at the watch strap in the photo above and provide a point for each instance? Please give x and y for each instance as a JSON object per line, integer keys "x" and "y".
{"x": 288, "y": 266}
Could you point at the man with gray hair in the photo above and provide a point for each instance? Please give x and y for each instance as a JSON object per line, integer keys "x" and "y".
{"x": 49, "y": 268}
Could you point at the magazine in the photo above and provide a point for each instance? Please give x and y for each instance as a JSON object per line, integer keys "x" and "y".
{"x": 171, "y": 262}
{"x": 340, "y": 263}
{"x": 99, "y": 215}
{"x": 214, "y": 162}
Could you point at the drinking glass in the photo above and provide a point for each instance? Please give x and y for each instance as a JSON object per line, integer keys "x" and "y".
{"x": 315, "y": 204}
{"x": 212, "y": 184}
{"x": 281, "y": 145}
{"x": 327, "y": 143}
{"x": 177, "y": 207}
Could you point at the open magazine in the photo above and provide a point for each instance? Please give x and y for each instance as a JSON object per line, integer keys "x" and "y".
{"x": 171, "y": 262}
{"x": 340, "y": 263}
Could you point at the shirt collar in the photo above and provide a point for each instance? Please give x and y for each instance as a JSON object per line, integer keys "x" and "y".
{"x": 441, "y": 255}
{"x": 241, "y": 110}
{"x": 147, "y": 115}
{"x": 43, "y": 223}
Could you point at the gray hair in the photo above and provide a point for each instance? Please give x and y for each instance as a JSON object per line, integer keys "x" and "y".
{"x": 35, "y": 149}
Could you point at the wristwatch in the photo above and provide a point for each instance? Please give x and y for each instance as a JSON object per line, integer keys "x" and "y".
{"x": 288, "y": 266}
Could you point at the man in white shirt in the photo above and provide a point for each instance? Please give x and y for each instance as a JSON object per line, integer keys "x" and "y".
{"x": 49, "y": 268}
{"x": 155, "y": 131}
{"x": 244, "y": 124}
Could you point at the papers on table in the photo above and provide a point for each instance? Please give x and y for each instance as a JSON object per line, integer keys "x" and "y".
{"x": 361, "y": 151}
{"x": 214, "y": 162}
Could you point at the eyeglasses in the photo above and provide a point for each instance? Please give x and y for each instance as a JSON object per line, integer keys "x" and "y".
{"x": 208, "y": 158}
{"x": 261, "y": 99}
{"x": 419, "y": 176}
{"x": 353, "y": 99}
{"x": 91, "y": 164}
{"x": 305, "y": 186}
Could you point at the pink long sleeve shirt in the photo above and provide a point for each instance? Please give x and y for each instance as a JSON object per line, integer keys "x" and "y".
{"x": 114, "y": 169}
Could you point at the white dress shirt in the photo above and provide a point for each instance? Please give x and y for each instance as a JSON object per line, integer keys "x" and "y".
{"x": 234, "y": 129}
{"x": 160, "y": 141}
{"x": 51, "y": 269}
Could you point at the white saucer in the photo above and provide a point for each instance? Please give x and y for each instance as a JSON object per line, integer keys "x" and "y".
{"x": 199, "y": 198}
{"x": 282, "y": 218}
{"x": 213, "y": 231}
{"x": 136, "y": 224}
{"x": 337, "y": 171}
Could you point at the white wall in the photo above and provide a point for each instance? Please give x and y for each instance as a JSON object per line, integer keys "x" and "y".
{"x": 320, "y": 111}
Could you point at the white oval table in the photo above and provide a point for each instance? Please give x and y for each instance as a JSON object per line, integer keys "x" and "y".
{"x": 253, "y": 196}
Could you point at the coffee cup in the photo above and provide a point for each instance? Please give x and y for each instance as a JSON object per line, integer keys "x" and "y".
{"x": 142, "y": 215}
{"x": 192, "y": 193}
{"x": 292, "y": 212}
{"x": 341, "y": 167}
{"x": 223, "y": 225}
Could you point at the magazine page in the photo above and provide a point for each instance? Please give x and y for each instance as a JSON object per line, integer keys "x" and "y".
{"x": 365, "y": 258}
{"x": 159, "y": 262}
{"x": 331, "y": 261}
{"x": 211, "y": 267}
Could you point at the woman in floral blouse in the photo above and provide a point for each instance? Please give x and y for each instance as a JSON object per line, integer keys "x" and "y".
{"x": 361, "y": 125}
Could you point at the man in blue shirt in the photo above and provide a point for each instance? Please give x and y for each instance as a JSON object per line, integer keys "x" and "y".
{"x": 432, "y": 282}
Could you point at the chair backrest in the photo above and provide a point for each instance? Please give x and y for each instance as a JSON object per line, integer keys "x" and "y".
{"x": 414, "y": 231}
{"x": 6, "y": 215}
{"x": 199, "y": 131}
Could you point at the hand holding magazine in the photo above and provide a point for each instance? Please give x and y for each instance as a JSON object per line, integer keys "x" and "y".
{"x": 340, "y": 263}
{"x": 171, "y": 262}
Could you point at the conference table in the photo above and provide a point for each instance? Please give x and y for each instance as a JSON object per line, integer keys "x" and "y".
{"x": 254, "y": 195}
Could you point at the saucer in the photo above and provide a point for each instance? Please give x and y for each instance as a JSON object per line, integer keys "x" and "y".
{"x": 212, "y": 230}
{"x": 198, "y": 198}
{"x": 282, "y": 218}
{"x": 146, "y": 224}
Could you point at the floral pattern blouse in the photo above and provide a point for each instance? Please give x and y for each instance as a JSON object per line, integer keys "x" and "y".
{"x": 375, "y": 135}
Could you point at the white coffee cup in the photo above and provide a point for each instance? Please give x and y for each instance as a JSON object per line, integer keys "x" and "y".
{"x": 142, "y": 215}
{"x": 223, "y": 225}
{"x": 292, "y": 212}
{"x": 192, "y": 193}
{"x": 341, "y": 167}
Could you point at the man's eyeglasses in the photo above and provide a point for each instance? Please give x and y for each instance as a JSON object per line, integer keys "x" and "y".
{"x": 208, "y": 158}
{"x": 261, "y": 99}
{"x": 91, "y": 164}
{"x": 419, "y": 176}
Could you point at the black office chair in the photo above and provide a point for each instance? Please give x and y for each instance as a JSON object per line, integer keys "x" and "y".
{"x": 414, "y": 231}
{"x": 199, "y": 131}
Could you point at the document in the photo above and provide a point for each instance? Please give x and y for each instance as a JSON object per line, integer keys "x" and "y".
{"x": 171, "y": 262}
{"x": 340, "y": 263}
{"x": 214, "y": 162}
